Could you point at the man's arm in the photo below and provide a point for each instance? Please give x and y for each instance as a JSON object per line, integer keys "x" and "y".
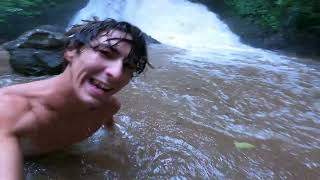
{"x": 11, "y": 167}
{"x": 12, "y": 108}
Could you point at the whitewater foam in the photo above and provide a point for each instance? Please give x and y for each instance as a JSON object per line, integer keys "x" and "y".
{"x": 177, "y": 23}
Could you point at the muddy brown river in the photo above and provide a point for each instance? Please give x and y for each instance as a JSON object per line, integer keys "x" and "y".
{"x": 181, "y": 121}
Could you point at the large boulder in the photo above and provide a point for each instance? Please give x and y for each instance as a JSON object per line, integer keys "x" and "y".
{"x": 150, "y": 40}
{"x": 35, "y": 62}
{"x": 4, "y": 61}
{"x": 38, "y": 51}
{"x": 42, "y": 37}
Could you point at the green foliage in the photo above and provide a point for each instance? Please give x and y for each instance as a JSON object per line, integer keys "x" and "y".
{"x": 302, "y": 15}
{"x": 26, "y": 8}
{"x": 263, "y": 12}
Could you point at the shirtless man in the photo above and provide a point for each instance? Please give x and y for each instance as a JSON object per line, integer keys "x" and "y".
{"x": 48, "y": 115}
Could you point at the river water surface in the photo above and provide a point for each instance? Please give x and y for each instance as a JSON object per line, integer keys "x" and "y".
{"x": 181, "y": 120}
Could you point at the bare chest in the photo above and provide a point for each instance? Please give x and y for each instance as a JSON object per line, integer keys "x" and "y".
{"x": 52, "y": 132}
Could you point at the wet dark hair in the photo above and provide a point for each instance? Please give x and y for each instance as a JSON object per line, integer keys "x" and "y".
{"x": 84, "y": 34}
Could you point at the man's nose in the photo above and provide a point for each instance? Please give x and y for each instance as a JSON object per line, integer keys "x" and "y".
{"x": 114, "y": 69}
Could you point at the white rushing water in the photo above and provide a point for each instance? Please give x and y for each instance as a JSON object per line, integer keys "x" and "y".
{"x": 177, "y": 23}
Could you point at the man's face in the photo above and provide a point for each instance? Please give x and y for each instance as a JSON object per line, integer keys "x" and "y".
{"x": 99, "y": 72}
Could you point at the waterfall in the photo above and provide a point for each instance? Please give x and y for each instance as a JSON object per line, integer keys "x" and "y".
{"x": 177, "y": 23}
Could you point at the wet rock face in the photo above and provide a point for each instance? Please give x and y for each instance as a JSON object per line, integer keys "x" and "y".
{"x": 42, "y": 37}
{"x": 35, "y": 62}
{"x": 38, "y": 52}
{"x": 150, "y": 40}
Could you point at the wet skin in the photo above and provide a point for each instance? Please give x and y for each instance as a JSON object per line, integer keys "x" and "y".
{"x": 48, "y": 115}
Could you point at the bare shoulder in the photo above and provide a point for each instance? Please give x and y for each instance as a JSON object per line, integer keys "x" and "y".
{"x": 115, "y": 105}
{"x": 12, "y": 99}
{"x": 111, "y": 107}
{"x": 12, "y": 108}
{"x": 115, "y": 102}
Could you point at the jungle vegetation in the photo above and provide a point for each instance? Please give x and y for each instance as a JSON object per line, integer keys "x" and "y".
{"x": 18, "y": 16}
{"x": 299, "y": 15}
{"x": 26, "y": 8}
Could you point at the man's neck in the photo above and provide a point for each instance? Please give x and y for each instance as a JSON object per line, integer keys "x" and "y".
{"x": 62, "y": 97}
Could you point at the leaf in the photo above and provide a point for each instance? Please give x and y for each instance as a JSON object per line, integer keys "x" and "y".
{"x": 244, "y": 146}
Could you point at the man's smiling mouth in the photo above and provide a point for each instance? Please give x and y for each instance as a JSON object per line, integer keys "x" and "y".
{"x": 100, "y": 85}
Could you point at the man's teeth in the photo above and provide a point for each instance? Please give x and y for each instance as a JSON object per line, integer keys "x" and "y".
{"x": 100, "y": 85}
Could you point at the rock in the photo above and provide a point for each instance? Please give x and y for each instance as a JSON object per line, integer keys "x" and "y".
{"x": 275, "y": 41}
{"x": 42, "y": 37}
{"x": 4, "y": 55}
{"x": 4, "y": 61}
{"x": 33, "y": 62}
{"x": 2, "y": 41}
{"x": 38, "y": 51}
{"x": 150, "y": 40}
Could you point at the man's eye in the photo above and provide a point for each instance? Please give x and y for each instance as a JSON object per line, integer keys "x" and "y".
{"x": 107, "y": 53}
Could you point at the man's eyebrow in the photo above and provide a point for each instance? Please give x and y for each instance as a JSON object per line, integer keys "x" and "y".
{"x": 119, "y": 40}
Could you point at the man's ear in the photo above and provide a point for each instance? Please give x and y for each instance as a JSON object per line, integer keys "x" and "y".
{"x": 69, "y": 55}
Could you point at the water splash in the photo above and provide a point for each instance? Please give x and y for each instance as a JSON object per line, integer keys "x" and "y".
{"x": 177, "y": 23}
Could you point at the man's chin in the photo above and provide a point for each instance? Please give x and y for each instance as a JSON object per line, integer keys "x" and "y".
{"x": 95, "y": 102}
{"x": 91, "y": 98}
